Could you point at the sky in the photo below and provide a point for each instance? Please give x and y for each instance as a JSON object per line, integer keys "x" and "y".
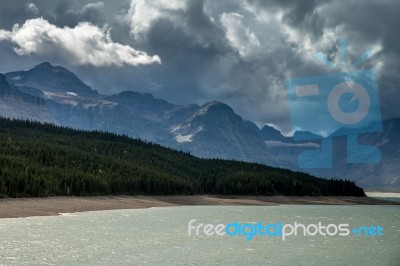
{"x": 194, "y": 51}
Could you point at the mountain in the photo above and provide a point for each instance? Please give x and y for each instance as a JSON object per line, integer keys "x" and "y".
{"x": 216, "y": 131}
{"x": 3, "y": 83}
{"x": 269, "y": 133}
{"x": 213, "y": 130}
{"x": 381, "y": 176}
{"x": 53, "y": 94}
{"x": 15, "y": 104}
{"x": 143, "y": 104}
{"x": 50, "y": 79}
{"x": 272, "y": 135}
{"x": 384, "y": 175}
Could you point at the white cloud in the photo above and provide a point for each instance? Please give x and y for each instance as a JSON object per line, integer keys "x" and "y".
{"x": 85, "y": 44}
{"x": 5, "y": 35}
{"x": 142, "y": 13}
{"x": 98, "y": 5}
{"x": 32, "y": 8}
{"x": 238, "y": 35}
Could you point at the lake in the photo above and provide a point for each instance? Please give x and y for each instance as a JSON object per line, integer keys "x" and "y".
{"x": 159, "y": 236}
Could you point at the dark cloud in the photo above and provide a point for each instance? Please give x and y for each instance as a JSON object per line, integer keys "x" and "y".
{"x": 241, "y": 52}
{"x": 12, "y": 12}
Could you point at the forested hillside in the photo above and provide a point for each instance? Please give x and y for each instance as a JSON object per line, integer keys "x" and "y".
{"x": 46, "y": 160}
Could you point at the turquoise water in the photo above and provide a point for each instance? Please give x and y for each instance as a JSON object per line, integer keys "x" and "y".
{"x": 158, "y": 236}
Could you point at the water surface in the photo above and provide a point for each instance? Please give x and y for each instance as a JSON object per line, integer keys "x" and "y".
{"x": 158, "y": 236}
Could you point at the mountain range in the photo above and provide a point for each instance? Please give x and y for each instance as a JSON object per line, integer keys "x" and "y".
{"x": 53, "y": 94}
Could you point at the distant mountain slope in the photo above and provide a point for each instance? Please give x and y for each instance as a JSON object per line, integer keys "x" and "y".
{"x": 143, "y": 104}
{"x": 69, "y": 102}
{"x": 44, "y": 160}
{"x": 15, "y": 104}
{"x": 269, "y": 133}
{"x": 382, "y": 176}
{"x": 54, "y": 94}
{"x": 215, "y": 131}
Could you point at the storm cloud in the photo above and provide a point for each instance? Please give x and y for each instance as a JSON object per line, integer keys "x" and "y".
{"x": 239, "y": 52}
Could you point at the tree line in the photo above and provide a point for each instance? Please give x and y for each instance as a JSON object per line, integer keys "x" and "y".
{"x": 39, "y": 160}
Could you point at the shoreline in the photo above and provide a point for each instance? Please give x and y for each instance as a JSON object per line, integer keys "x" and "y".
{"x": 27, "y": 207}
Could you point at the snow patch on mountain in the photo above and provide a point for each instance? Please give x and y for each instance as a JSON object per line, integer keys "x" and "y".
{"x": 184, "y": 133}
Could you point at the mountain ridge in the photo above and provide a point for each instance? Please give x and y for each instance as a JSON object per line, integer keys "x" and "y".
{"x": 212, "y": 130}
{"x": 50, "y": 78}
{"x": 144, "y": 116}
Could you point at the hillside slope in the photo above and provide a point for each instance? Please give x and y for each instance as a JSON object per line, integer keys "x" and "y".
{"x": 44, "y": 160}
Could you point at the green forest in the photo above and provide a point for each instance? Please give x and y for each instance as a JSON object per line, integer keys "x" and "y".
{"x": 40, "y": 160}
